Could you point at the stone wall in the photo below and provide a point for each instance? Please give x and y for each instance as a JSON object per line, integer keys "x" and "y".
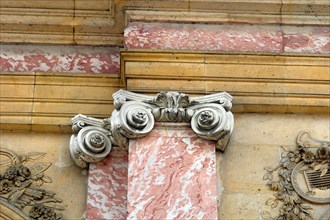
{"x": 272, "y": 56}
{"x": 256, "y": 143}
{"x": 67, "y": 181}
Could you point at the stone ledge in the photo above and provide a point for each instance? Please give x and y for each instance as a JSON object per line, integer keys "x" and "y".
{"x": 48, "y": 101}
{"x": 103, "y": 22}
{"x": 258, "y": 83}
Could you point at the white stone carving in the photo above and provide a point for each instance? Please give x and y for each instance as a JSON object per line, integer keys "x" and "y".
{"x": 135, "y": 115}
{"x": 90, "y": 142}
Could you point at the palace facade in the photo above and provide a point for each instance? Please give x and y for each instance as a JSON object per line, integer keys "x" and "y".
{"x": 174, "y": 58}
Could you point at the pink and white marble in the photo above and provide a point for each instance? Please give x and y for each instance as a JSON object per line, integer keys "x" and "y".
{"x": 66, "y": 59}
{"x": 204, "y": 37}
{"x": 228, "y": 38}
{"x": 307, "y": 40}
{"x": 172, "y": 175}
{"x": 107, "y": 187}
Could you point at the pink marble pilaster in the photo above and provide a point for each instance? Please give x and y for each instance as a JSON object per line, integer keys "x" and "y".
{"x": 172, "y": 175}
{"x": 107, "y": 187}
{"x": 64, "y": 59}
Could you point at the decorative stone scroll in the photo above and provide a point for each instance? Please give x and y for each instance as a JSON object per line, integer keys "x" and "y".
{"x": 135, "y": 116}
{"x": 303, "y": 176}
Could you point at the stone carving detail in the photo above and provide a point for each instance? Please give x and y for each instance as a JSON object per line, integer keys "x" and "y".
{"x": 21, "y": 195}
{"x": 135, "y": 115}
{"x": 90, "y": 142}
{"x": 171, "y": 107}
{"x": 303, "y": 176}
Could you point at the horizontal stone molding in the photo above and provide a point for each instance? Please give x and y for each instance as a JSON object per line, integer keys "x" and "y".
{"x": 221, "y": 38}
{"x": 47, "y": 101}
{"x": 62, "y": 22}
{"x": 103, "y": 22}
{"x": 224, "y": 16}
{"x": 258, "y": 83}
{"x": 262, "y": 83}
{"x": 62, "y": 59}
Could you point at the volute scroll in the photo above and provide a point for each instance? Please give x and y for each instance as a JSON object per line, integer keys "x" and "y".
{"x": 136, "y": 114}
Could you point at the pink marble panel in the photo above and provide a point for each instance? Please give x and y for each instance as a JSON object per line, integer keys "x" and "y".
{"x": 107, "y": 187}
{"x": 307, "y": 40}
{"x": 172, "y": 175}
{"x": 71, "y": 59}
{"x": 204, "y": 37}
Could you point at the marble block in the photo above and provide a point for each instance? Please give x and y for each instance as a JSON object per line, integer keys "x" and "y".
{"x": 63, "y": 59}
{"x": 172, "y": 175}
{"x": 204, "y": 37}
{"x": 107, "y": 187}
{"x": 312, "y": 40}
{"x": 270, "y": 39}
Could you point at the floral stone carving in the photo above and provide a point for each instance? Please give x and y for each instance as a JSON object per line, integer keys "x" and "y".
{"x": 302, "y": 177}
{"x": 21, "y": 194}
{"x": 135, "y": 115}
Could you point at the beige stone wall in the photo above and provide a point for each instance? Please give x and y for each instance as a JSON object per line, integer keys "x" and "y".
{"x": 254, "y": 145}
{"x": 68, "y": 181}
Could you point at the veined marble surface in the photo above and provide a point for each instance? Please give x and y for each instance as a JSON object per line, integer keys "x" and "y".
{"x": 172, "y": 175}
{"x": 273, "y": 39}
{"x": 68, "y": 59}
{"x": 107, "y": 187}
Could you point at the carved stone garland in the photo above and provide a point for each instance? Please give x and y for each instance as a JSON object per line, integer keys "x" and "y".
{"x": 303, "y": 176}
{"x": 135, "y": 115}
{"x": 21, "y": 194}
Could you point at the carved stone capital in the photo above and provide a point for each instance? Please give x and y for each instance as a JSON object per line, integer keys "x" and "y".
{"x": 135, "y": 115}
{"x": 90, "y": 141}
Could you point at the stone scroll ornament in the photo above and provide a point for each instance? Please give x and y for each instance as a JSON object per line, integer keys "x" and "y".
{"x": 21, "y": 192}
{"x": 135, "y": 116}
{"x": 301, "y": 180}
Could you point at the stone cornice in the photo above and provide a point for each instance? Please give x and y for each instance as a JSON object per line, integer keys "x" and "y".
{"x": 47, "y": 101}
{"x": 259, "y": 83}
{"x": 267, "y": 84}
{"x": 102, "y": 23}
{"x": 223, "y": 17}
{"x": 135, "y": 115}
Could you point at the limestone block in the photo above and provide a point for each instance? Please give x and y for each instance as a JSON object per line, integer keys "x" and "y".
{"x": 241, "y": 167}
{"x": 49, "y": 100}
{"x": 238, "y": 206}
{"x": 277, "y": 129}
{"x": 282, "y": 84}
{"x": 255, "y": 144}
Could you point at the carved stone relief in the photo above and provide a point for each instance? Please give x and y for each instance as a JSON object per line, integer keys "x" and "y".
{"x": 21, "y": 194}
{"x": 135, "y": 116}
{"x": 301, "y": 179}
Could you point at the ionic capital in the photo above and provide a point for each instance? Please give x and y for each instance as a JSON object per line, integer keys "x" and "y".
{"x": 135, "y": 116}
